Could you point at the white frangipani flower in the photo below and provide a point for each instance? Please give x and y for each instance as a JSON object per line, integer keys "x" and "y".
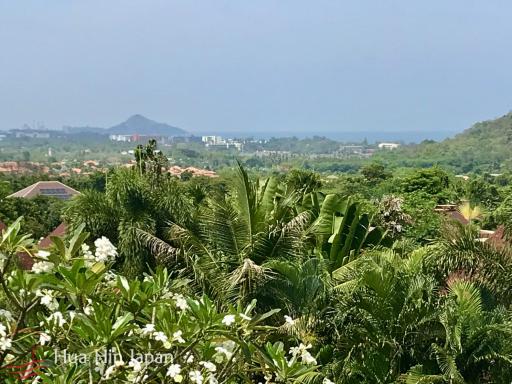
{"x": 189, "y": 357}
{"x": 181, "y": 302}
{"x": 44, "y": 338}
{"x": 57, "y": 318}
{"x": 89, "y": 309}
{"x": 176, "y": 336}
{"x": 6, "y": 314}
{"x": 105, "y": 250}
{"x": 173, "y": 371}
{"x": 160, "y": 336}
{"x": 3, "y": 330}
{"x": 43, "y": 254}
{"x": 5, "y": 343}
{"x": 302, "y": 351}
{"x": 47, "y": 299}
{"x": 148, "y": 329}
{"x": 228, "y": 320}
{"x": 135, "y": 365}
{"x": 42, "y": 267}
{"x": 208, "y": 365}
{"x": 196, "y": 377}
{"x": 289, "y": 320}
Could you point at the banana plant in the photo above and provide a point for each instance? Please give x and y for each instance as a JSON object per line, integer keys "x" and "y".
{"x": 342, "y": 231}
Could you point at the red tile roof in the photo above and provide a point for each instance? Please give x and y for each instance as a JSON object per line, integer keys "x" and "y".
{"x": 60, "y": 231}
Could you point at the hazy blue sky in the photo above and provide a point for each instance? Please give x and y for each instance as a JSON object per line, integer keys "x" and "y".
{"x": 276, "y": 66}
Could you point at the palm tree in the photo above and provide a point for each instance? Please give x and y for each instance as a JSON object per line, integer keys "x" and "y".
{"x": 132, "y": 202}
{"x": 476, "y": 347}
{"x": 233, "y": 236}
{"x": 385, "y": 318}
{"x": 469, "y": 212}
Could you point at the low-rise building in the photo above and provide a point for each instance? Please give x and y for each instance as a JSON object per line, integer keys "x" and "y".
{"x": 388, "y": 145}
{"x": 46, "y": 188}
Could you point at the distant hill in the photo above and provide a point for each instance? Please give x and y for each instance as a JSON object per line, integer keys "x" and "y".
{"x": 485, "y": 147}
{"x": 144, "y": 126}
{"x": 137, "y": 124}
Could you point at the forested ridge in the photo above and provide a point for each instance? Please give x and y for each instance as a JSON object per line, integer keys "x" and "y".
{"x": 484, "y": 147}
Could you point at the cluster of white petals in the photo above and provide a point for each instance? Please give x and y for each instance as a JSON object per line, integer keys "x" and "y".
{"x": 105, "y": 252}
{"x": 6, "y": 315}
{"x": 181, "y": 302}
{"x": 5, "y": 342}
{"x": 42, "y": 267}
{"x": 43, "y": 254}
{"x": 47, "y": 299}
{"x": 228, "y": 320}
{"x": 57, "y": 318}
{"x": 302, "y": 352}
{"x": 174, "y": 372}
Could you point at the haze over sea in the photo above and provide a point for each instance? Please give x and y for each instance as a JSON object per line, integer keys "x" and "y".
{"x": 345, "y": 136}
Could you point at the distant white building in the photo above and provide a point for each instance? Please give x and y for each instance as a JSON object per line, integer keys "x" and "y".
{"x": 212, "y": 140}
{"x": 125, "y": 138}
{"x": 388, "y": 145}
{"x": 217, "y": 142}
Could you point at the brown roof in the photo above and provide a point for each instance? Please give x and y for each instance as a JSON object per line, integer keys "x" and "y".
{"x": 451, "y": 211}
{"x": 177, "y": 170}
{"x": 457, "y": 216}
{"x": 46, "y": 188}
{"x": 60, "y": 231}
{"x": 2, "y": 226}
{"x": 26, "y": 261}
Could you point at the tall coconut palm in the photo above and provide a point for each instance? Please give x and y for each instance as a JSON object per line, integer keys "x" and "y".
{"x": 235, "y": 234}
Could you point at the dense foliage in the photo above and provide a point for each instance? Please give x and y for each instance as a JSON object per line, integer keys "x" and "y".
{"x": 286, "y": 278}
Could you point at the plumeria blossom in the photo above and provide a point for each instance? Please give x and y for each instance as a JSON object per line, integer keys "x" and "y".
{"x": 288, "y": 320}
{"x": 222, "y": 353}
{"x": 302, "y": 352}
{"x": 44, "y": 338}
{"x": 88, "y": 256}
{"x": 3, "y": 330}
{"x": 57, "y": 318}
{"x": 176, "y": 336}
{"x": 148, "y": 329}
{"x": 181, "y": 302}
{"x": 42, "y": 267}
{"x": 47, "y": 299}
{"x": 163, "y": 333}
{"x": 327, "y": 381}
{"x": 228, "y": 320}
{"x": 160, "y": 336}
{"x": 89, "y": 309}
{"x": 196, "y": 377}
{"x": 5, "y": 343}
{"x": 189, "y": 357}
{"x": 135, "y": 364}
{"x": 208, "y": 365}
{"x": 105, "y": 250}
{"x": 173, "y": 372}
{"x": 43, "y": 254}
{"x": 6, "y": 315}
